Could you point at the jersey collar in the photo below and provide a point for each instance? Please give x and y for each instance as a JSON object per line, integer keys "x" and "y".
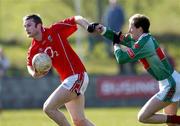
{"x": 143, "y": 35}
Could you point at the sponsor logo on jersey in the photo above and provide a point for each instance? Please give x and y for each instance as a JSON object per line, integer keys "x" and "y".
{"x": 52, "y": 53}
{"x": 50, "y": 38}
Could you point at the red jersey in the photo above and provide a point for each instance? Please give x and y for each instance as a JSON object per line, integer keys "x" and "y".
{"x": 55, "y": 44}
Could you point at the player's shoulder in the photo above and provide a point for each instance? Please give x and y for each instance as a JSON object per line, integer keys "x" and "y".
{"x": 65, "y": 22}
{"x": 144, "y": 38}
{"x": 69, "y": 20}
{"x": 142, "y": 41}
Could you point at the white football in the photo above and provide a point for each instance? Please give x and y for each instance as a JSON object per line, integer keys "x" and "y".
{"x": 42, "y": 62}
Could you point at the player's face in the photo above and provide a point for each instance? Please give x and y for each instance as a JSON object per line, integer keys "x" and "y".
{"x": 31, "y": 29}
{"x": 135, "y": 32}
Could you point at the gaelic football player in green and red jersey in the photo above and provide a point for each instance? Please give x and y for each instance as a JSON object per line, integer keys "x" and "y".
{"x": 53, "y": 40}
{"x": 142, "y": 46}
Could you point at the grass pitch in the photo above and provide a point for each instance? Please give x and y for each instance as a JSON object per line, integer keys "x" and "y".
{"x": 99, "y": 116}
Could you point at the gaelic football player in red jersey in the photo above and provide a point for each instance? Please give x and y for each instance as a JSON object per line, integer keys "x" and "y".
{"x": 54, "y": 41}
{"x": 142, "y": 46}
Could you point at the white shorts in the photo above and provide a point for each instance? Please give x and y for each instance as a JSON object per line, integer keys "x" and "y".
{"x": 76, "y": 83}
{"x": 170, "y": 88}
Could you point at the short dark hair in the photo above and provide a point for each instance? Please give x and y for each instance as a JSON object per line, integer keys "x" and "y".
{"x": 140, "y": 20}
{"x": 36, "y": 18}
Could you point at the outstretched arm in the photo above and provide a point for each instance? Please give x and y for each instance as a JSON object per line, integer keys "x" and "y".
{"x": 115, "y": 37}
{"x": 82, "y": 22}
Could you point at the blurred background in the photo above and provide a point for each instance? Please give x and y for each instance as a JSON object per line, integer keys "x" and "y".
{"x": 112, "y": 85}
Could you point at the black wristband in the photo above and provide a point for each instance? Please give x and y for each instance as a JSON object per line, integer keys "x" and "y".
{"x": 116, "y": 39}
{"x": 92, "y": 27}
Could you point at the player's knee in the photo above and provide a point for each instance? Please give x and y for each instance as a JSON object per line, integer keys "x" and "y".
{"x": 141, "y": 118}
{"x": 79, "y": 122}
{"x": 47, "y": 109}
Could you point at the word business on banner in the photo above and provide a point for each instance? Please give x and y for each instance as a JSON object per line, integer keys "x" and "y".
{"x": 126, "y": 87}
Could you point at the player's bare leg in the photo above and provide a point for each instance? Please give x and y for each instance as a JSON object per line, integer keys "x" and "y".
{"x": 58, "y": 98}
{"x": 171, "y": 110}
{"x": 76, "y": 109}
{"x": 147, "y": 113}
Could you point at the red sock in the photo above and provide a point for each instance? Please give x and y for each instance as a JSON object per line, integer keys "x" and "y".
{"x": 173, "y": 119}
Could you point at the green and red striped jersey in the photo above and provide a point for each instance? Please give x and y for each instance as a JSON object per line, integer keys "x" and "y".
{"x": 147, "y": 50}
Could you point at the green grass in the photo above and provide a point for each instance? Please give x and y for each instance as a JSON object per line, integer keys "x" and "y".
{"x": 100, "y": 116}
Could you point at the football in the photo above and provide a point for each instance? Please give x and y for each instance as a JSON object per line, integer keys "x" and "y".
{"x": 42, "y": 62}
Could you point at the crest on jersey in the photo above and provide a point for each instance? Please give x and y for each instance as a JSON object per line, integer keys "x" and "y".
{"x": 50, "y": 38}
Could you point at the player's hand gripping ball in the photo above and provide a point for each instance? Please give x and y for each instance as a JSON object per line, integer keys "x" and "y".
{"x": 42, "y": 62}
